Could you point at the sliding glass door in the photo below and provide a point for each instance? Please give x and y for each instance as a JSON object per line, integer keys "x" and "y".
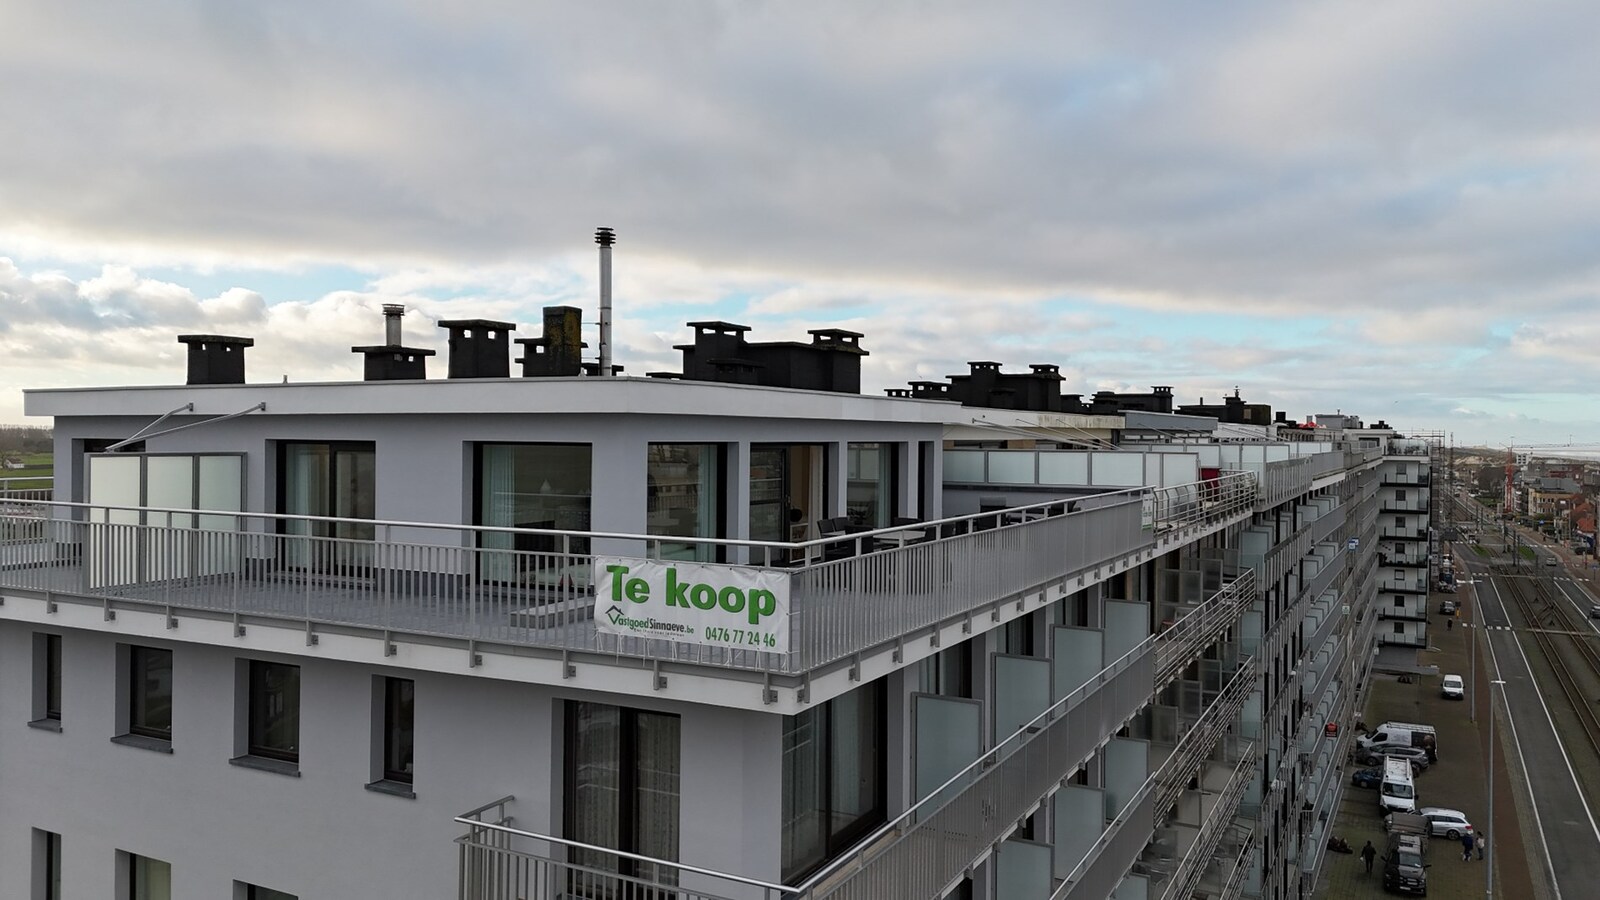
{"x": 684, "y": 498}
{"x": 334, "y": 480}
{"x": 622, "y": 793}
{"x": 787, "y": 492}
{"x": 535, "y": 486}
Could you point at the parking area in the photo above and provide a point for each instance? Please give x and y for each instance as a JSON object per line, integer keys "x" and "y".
{"x": 1458, "y": 780}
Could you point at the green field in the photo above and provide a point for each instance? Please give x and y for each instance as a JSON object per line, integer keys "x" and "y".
{"x": 1527, "y": 553}
{"x": 36, "y": 467}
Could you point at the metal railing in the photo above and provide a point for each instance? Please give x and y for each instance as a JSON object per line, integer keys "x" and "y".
{"x": 1191, "y": 635}
{"x": 1195, "y": 862}
{"x": 1113, "y": 853}
{"x": 499, "y": 862}
{"x": 1403, "y": 533}
{"x": 27, "y": 489}
{"x": 1283, "y": 480}
{"x": 534, "y": 587}
{"x": 1229, "y": 496}
{"x": 1192, "y": 749}
{"x": 929, "y": 845}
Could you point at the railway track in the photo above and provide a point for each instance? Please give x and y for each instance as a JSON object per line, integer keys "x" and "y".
{"x": 1567, "y": 649}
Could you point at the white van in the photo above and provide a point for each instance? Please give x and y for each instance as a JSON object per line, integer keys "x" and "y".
{"x": 1397, "y": 792}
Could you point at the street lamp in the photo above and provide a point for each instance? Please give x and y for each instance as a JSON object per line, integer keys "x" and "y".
{"x": 1488, "y": 870}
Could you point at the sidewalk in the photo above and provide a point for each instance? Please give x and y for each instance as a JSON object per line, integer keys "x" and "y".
{"x": 1458, "y": 780}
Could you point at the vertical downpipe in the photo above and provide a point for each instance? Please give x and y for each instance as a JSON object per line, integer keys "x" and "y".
{"x": 605, "y": 237}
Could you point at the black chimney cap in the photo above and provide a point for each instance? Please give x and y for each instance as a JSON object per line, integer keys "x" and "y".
{"x": 605, "y": 237}
{"x": 216, "y": 358}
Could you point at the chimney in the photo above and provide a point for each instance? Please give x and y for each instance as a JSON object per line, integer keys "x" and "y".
{"x": 391, "y": 361}
{"x": 479, "y": 348}
{"x": 605, "y": 237}
{"x": 216, "y": 358}
{"x": 392, "y": 313}
{"x": 560, "y": 351}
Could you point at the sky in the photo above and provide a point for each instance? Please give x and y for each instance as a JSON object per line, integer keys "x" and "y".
{"x": 1391, "y": 209}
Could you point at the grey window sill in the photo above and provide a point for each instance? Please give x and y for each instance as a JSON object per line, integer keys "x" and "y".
{"x": 143, "y": 742}
{"x": 278, "y": 766}
{"x": 46, "y": 725}
{"x": 397, "y": 788}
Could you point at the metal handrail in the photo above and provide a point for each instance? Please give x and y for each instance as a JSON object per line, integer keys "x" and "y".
{"x": 987, "y": 760}
{"x": 1209, "y": 832}
{"x": 1185, "y": 759}
{"x": 637, "y": 857}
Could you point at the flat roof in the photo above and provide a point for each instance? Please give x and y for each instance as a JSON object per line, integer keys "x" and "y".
{"x": 489, "y": 396}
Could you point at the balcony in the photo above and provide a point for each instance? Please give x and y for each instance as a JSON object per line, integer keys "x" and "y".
{"x": 1408, "y": 505}
{"x": 1413, "y": 585}
{"x": 1192, "y": 867}
{"x": 1403, "y": 479}
{"x": 498, "y": 861}
{"x": 1404, "y": 532}
{"x": 1284, "y": 480}
{"x": 535, "y": 588}
{"x": 1403, "y": 560}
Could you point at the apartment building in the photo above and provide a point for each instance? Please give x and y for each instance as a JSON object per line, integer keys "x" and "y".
{"x": 738, "y": 632}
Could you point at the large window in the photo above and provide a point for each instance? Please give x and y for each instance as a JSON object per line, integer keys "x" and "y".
{"x": 787, "y": 493}
{"x": 336, "y": 480}
{"x": 870, "y": 485}
{"x": 399, "y": 696}
{"x": 149, "y": 879}
{"x": 150, "y": 692}
{"x": 256, "y": 892}
{"x": 833, "y": 778}
{"x": 622, "y": 787}
{"x": 543, "y": 486}
{"x": 685, "y": 498}
{"x": 274, "y": 711}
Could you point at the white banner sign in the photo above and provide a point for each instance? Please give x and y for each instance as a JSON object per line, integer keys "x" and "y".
{"x": 694, "y": 603}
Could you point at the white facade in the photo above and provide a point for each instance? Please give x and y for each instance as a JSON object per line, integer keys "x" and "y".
{"x": 1225, "y": 619}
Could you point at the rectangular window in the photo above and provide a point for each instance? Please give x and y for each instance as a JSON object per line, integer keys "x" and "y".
{"x": 544, "y": 486}
{"x": 148, "y": 879}
{"x": 256, "y": 892}
{"x": 46, "y": 865}
{"x": 399, "y": 696}
{"x": 1400, "y": 493}
{"x": 150, "y": 692}
{"x": 47, "y": 677}
{"x": 684, "y": 498}
{"x": 1399, "y": 628}
{"x": 834, "y": 784}
{"x": 622, "y": 788}
{"x": 335, "y": 480}
{"x": 274, "y": 711}
{"x": 788, "y": 494}
{"x": 870, "y": 485}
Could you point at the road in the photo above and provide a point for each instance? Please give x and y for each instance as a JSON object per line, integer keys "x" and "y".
{"x": 1564, "y": 815}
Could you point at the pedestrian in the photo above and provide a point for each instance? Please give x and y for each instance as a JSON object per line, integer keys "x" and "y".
{"x": 1449, "y": 624}
{"x": 1367, "y": 854}
{"x": 1466, "y": 847}
{"x": 1483, "y": 841}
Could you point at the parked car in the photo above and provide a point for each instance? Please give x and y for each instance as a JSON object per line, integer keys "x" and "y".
{"x": 1376, "y": 754}
{"x": 1450, "y": 823}
{"x": 1594, "y": 612}
{"x": 1453, "y": 688}
{"x": 1447, "y": 606}
{"x": 1366, "y": 778}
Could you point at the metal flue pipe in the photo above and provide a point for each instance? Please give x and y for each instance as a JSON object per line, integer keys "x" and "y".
{"x": 605, "y": 237}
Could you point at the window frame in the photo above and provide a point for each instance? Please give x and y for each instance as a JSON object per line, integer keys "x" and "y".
{"x": 254, "y": 739}
{"x": 135, "y": 684}
{"x": 628, "y": 784}
{"x": 391, "y": 688}
{"x": 52, "y": 678}
{"x": 836, "y": 842}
